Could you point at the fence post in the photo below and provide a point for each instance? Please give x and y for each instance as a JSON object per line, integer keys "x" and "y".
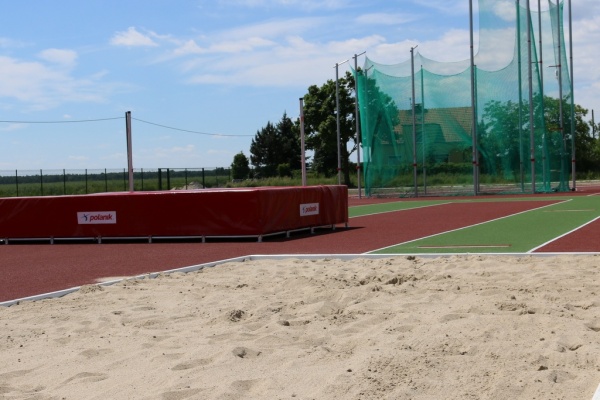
{"x": 64, "y": 182}
{"x": 160, "y": 179}
{"x": 105, "y": 181}
{"x": 168, "y": 178}
{"x": 41, "y": 183}
{"x": 124, "y": 180}
{"x": 203, "y": 180}
{"x": 86, "y": 183}
{"x": 142, "y": 177}
{"x": 17, "y": 181}
{"x": 185, "y": 174}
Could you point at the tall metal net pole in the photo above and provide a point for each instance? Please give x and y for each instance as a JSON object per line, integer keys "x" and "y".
{"x": 573, "y": 133}
{"x": 560, "y": 95}
{"x": 545, "y": 177}
{"x": 337, "y": 120}
{"x": 531, "y": 119}
{"x": 520, "y": 66}
{"x": 473, "y": 105}
{"x": 423, "y": 130}
{"x": 414, "y": 120}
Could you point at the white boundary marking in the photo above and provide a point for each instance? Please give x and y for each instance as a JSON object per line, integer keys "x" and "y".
{"x": 597, "y": 394}
{"x": 466, "y": 227}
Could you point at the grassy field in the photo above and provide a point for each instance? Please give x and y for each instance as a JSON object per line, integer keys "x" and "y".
{"x": 56, "y": 183}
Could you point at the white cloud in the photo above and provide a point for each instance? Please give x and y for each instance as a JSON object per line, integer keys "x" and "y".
{"x": 79, "y": 158}
{"x": 188, "y": 48}
{"x": 12, "y": 127}
{"x": 132, "y": 38}
{"x": 505, "y": 9}
{"x": 384, "y": 19}
{"x": 448, "y": 7}
{"x": 294, "y": 61}
{"x": 274, "y": 29}
{"x": 218, "y": 152}
{"x": 41, "y": 86}
{"x": 309, "y": 5}
{"x": 10, "y": 43}
{"x": 246, "y": 45}
{"x": 186, "y": 151}
{"x": 63, "y": 57}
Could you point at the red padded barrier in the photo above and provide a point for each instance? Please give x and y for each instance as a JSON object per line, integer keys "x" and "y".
{"x": 224, "y": 212}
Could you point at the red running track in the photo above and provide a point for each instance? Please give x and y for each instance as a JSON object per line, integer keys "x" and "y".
{"x": 28, "y": 270}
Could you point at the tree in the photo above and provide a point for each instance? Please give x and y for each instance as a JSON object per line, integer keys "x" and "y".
{"x": 320, "y": 125}
{"x": 504, "y": 144}
{"x": 289, "y": 145}
{"x": 274, "y": 145}
{"x": 500, "y": 142}
{"x": 585, "y": 150}
{"x": 240, "y": 167}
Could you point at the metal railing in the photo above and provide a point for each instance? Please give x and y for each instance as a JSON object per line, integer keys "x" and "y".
{"x": 70, "y": 181}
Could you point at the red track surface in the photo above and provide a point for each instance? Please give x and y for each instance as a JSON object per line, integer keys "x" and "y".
{"x": 28, "y": 270}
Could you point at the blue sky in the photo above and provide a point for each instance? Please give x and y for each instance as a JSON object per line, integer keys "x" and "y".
{"x": 216, "y": 70}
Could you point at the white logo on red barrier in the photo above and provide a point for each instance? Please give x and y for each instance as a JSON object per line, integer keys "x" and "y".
{"x": 97, "y": 217}
{"x": 309, "y": 209}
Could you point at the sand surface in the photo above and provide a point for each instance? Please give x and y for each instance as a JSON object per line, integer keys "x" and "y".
{"x": 460, "y": 327}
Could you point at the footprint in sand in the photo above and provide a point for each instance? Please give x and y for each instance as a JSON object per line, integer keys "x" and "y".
{"x": 191, "y": 364}
{"x": 244, "y": 352}
{"x": 91, "y": 353}
{"x": 86, "y": 377}
{"x": 180, "y": 394}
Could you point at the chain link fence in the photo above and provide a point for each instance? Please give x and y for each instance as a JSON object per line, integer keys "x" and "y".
{"x": 68, "y": 182}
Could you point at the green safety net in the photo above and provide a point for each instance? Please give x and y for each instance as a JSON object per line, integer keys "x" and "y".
{"x": 426, "y": 146}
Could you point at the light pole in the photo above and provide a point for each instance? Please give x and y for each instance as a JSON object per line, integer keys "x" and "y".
{"x": 129, "y": 149}
{"x": 302, "y": 145}
{"x": 337, "y": 119}
{"x": 356, "y": 117}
